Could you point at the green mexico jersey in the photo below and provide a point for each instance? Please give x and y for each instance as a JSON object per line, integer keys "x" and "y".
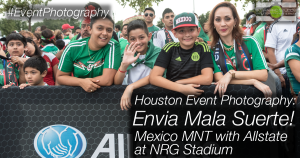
{"x": 202, "y": 34}
{"x": 260, "y": 26}
{"x": 50, "y": 48}
{"x": 293, "y": 52}
{"x": 85, "y": 63}
{"x": 259, "y": 36}
{"x": 153, "y": 28}
{"x": 257, "y": 57}
{"x": 123, "y": 42}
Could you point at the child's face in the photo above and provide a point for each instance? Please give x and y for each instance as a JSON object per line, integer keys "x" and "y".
{"x": 29, "y": 51}
{"x": 187, "y": 36}
{"x": 101, "y": 32}
{"x": 15, "y": 48}
{"x": 140, "y": 36}
{"x": 33, "y": 76}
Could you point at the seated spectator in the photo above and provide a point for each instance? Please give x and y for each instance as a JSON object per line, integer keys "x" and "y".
{"x": 98, "y": 60}
{"x": 51, "y": 61}
{"x": 138, "y": 65}
{"x": 49, "y": 41}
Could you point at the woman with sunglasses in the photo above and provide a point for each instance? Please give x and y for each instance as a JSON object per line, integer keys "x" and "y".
{"x": 237, "y": 59}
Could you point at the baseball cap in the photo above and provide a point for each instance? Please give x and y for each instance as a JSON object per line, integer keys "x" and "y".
{"x": 66, "y": 26}
{"x": 185, "y": 20}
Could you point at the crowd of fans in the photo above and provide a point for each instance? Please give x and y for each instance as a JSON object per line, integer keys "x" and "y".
{"x": 180, "y": 57}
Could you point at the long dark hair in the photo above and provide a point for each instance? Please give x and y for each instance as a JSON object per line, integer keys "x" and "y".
{"x": 237, "y": 32}
{"x": 49, "y": 37}
{"x": 37, "y": 49}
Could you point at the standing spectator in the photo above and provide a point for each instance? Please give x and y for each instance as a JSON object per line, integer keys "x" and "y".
{"x": 38, "y": 30}
{"x": 279, "y": 38}
{"x": 202, "y": 33}
{"x": 26, "y": 33}
{"x": 117, "y": 30}
{"x": 50, "y": 42}
{"x": 149, "y": 15}
{"x": 123, "y": 41}
{"x": 77, "y": 31}
{"x": 38, "y": 40}
{"x": 164, "y": 36}
{"x": 43, "y": 28}
{"x": 67, "y": 31}
{"x": 292, "y": 64}
{"x": 249, "y": 16}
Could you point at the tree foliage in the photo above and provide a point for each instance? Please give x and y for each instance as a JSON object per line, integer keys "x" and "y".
{"x": 139, "y": 5}
{"x": 24, "y": 5}
{"x": 203, "y": 18}
{"x": 160, "y": 24}
{"x": 8, "y": 25}
{"x": 249, "y": 2}
{"x": 54, "y": 24}
{"x": 120, "y": 22}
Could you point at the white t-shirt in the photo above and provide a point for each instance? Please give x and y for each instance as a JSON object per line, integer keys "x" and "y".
{"x": 138, "y": 72}
{"x": 159, "y": 39}
{"x": 67, "y": 41}
{"x": 280, "y": 36}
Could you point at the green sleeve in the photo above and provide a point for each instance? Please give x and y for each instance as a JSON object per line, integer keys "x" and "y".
{"x": 113, "y": 57}
{"x": 74, "y": 38}
{"x": 66, "y": 61}
{"x": 291, "y": 53}
{"x": 258, "y": 59}
{"x": 216, "y": 68}
{"x": 259, "y": 35}
{"x": 202, "y": 34}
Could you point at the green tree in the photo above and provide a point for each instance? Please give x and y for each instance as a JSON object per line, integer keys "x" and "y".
{"x": 160, "y": 24}
{"x": 139, "y": 5}
{"x": 54, "y": 24}
{"x": 8, "y": 25}
{"x": 203, "y": 18}
{"x": 120, "y": 22}
{"x": 247, "y": 2}
{"x": 24, "y": 5}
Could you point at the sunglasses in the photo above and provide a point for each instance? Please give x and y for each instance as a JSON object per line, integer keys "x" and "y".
{"x": 146, "y": 14}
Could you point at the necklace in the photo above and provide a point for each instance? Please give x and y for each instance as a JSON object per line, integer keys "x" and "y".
{"x": 228, "y": 49}
{"x": 90, "y": 61}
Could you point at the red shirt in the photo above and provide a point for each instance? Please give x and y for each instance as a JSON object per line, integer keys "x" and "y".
{"x": 51, "y": 61}
{"x": 3, "y": 46}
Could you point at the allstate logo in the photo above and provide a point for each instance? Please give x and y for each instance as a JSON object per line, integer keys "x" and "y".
{"x": 59, "y": 141}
